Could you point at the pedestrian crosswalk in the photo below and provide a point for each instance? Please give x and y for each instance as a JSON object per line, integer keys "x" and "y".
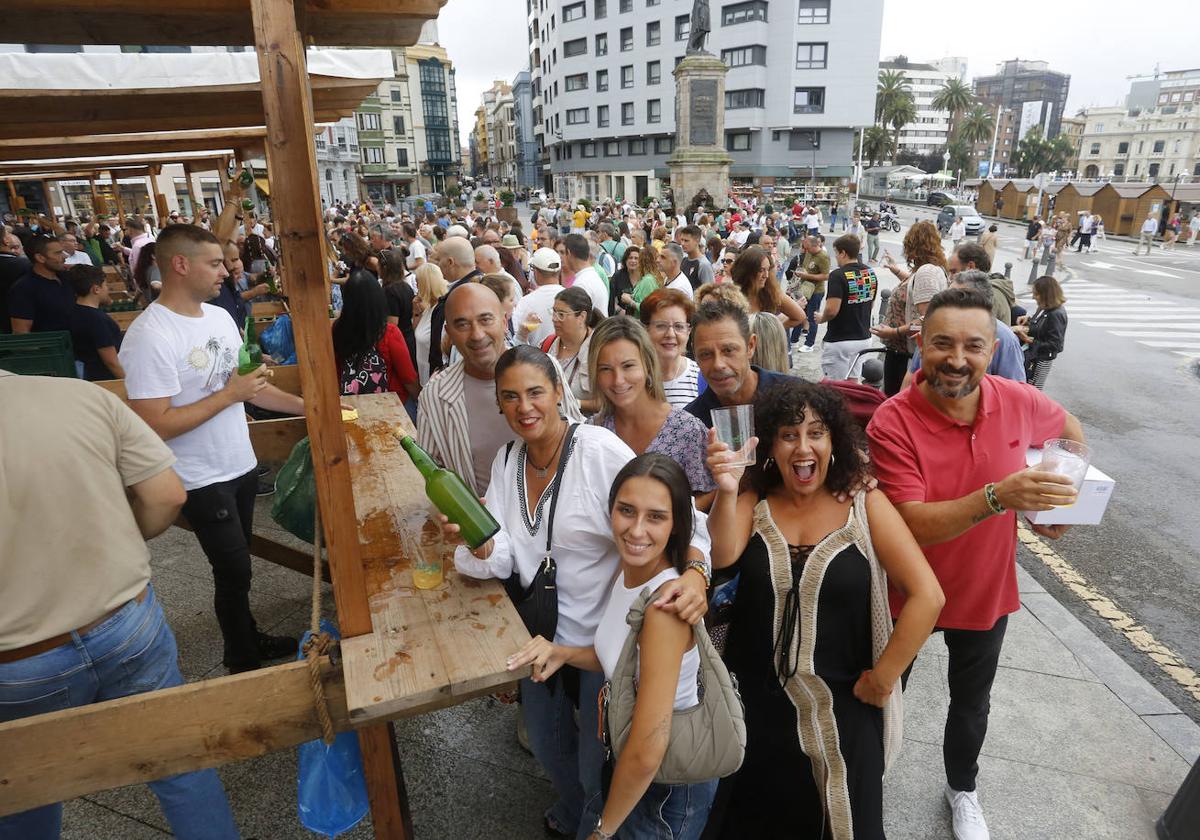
{"x": 1150, "y": 321}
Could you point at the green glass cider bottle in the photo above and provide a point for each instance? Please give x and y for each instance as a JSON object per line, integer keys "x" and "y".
{"x": 250, "y": 354}
{"x": 452, "y": 497}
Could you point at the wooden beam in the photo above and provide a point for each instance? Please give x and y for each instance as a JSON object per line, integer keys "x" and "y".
{"x": 287, "y": 105}
{"x": 59, "y": 756}
{"x": 122, "y": 163}
{"x": 273, "y": 440}
{"x": 148, "y": 142}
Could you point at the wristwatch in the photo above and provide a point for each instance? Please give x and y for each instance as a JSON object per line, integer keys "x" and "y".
{"x": 701, "y": 567}
{"x": 600, "y": 833}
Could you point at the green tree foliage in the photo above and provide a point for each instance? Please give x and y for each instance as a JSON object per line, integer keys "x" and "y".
{"x": 955, "y": 97}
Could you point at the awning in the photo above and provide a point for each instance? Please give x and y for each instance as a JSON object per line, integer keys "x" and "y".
{"x": 263, "y": 186}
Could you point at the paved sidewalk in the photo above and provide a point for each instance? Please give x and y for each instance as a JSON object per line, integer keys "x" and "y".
{"x": 1079, "y": 744}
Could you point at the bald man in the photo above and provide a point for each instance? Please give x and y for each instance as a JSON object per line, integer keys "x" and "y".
{"x": 487, "y": 260}
{"x": 457, "y": 420}
{"x": 456, "y": 258}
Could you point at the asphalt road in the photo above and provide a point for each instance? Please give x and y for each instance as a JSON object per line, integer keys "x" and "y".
{"x": 1131, "y": 374}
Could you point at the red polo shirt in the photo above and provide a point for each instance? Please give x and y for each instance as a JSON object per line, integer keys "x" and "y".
{"x": 921, "y": 455}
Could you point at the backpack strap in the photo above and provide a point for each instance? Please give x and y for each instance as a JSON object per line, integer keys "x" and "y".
{"x": 508, "y": 451}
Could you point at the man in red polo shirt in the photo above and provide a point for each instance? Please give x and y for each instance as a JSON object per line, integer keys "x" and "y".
{"x": 950, "y": 454}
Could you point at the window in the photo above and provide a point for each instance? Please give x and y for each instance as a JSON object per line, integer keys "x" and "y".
{"x": 813, "y": 11}
{"x": 612, "y": 148}
{"x": 1152, "y": 171}
{"x": 602, "y": 116}
{"x": 602, "y": 44}
{"x": 587, "y": 149}
{"x": 575, "y": 47}
{"x": 398, "y": 125}
{"x": 650, "y": 3}
{"x": 397, "y": 96}
{"x": 627, "y": 39}
{"x": 802, "y": 140}
{"x": 577, "y": 116}
{"x": 654, "y": 110}
{"x": 600, "y": 9}
{"x": 737, "y": 141}
{"x": 744, "y": 56}
{"x": 579, "y": 81}
{"x": 683, "y": 27}
{"x": 369, "y": 122}
{"x": 1095, "y": 150}
{"x": 601, "y": 81}
{"x": 626, "y": 113}
{"x": 1196, "y": 171}
{"x": 320, "y": 141}
{"x": 1122, "y": 148}
{"x": 576, "y": 11}
{"x": 743, "y": 12}
{"x": 811, "y": 56}
{"x": 372, "y": 154}
{"x": 1141, "y": 146}
{"x": 654, "y": 73}
{"x": 746, "y": 98}
{"x": 1099, "y": 128}
{"x": 1159, "y": 145}
{"x": 627, "y": 76}
{"x": 401, "y": 156}
{"x": 626, "y": 6}
{"x": 808, "y": 101}
{"x": 637, "y": 147}
{"x": 653, "y": 33}
{"x": 663, "y": 145}
{"x": 1119, "y": 169}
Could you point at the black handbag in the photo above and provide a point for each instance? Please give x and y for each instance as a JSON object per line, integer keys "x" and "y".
{"x": 537, "y": 604}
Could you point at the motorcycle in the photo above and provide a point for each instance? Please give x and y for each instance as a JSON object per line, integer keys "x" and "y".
{"x": 889, "y": 222}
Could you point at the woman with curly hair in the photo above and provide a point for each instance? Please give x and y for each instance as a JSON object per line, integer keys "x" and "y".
{"x": 922, "y": 246}
{"x": 754, "y": 273}
{"x": 811, "y": 636}
{"x": 653, "y": 279}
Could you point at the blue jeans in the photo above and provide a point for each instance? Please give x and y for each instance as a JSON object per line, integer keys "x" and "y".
{"x": 810, "y": 311}
{"x": 570, "y": 752}
{"x": 670, "y": 812}
{"x": 131, "y": 652}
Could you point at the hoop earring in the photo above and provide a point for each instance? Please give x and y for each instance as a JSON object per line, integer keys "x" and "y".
{"x": 770, "y": 462}
{"x": 832, "y": 459}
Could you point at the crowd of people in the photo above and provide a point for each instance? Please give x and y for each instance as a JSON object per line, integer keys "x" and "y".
{"x": 568, "y": 368}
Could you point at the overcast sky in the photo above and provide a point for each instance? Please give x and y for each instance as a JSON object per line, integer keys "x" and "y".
{"x": 1099, "y": 43}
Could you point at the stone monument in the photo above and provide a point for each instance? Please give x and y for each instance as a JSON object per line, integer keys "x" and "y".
{"x": 700, "y": 165}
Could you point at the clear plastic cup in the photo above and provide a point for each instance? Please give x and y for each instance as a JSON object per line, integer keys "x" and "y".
{"x": 735, "y": 426}
{"x": 1066, "y": 457}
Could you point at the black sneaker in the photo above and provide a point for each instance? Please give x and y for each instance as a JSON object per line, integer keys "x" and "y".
{"x": 276, "y": 647}
{"x": 265, "y": 488}
{"x": 262, "y": 470}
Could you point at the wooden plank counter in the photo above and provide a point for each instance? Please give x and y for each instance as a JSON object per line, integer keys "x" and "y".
{"x": 430, "y": 648}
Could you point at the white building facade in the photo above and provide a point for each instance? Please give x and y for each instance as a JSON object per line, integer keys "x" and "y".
{"x": 801, "y": 80}
{"x": 929, "y": 132}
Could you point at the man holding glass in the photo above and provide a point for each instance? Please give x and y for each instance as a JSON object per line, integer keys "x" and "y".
{"x": 950, "y": 454}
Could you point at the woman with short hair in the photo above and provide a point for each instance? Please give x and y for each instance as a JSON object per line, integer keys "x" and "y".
{"x": 667, "y": 316}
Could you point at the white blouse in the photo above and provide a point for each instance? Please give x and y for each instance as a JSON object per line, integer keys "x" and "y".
{"x": 583, "y": 547}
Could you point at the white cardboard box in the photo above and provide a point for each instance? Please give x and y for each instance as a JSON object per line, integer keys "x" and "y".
{"x": 1089, "y": 510}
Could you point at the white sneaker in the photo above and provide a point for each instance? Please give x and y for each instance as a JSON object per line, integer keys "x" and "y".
{"x": 968, "y": 815}
{"x": 806, "y": 349}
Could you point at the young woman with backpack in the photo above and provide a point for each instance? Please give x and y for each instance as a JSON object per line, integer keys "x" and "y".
{"x": 372, "y": 356}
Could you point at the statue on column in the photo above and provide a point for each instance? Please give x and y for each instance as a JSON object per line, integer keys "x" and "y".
{"x": 701, "y": 26}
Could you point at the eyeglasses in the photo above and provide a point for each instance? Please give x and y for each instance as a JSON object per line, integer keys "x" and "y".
{"x": 727, "y": 262}
{"x": 665, "y": 326}
{"x": 558, "y": 315}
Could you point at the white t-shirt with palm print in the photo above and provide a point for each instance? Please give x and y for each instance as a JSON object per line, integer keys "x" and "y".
{"x": 165, "y": 354}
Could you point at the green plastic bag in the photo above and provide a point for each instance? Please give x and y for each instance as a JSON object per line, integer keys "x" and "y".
{"x": 295, "y": 505}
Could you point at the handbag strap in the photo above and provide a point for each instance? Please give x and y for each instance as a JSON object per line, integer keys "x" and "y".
{"x": 562, "y": 463}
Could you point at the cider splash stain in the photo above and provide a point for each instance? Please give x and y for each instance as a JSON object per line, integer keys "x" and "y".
{"x": 388, "y": 668}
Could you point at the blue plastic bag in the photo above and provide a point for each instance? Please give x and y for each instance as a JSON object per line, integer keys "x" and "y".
{"x": 331, "y": 794}
{"x": 278, "y": 342}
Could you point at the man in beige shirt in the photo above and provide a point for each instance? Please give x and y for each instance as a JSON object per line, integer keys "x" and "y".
{"x": 86, "y": 483}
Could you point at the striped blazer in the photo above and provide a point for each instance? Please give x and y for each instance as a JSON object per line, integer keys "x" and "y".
{"x": 444, "y": 429}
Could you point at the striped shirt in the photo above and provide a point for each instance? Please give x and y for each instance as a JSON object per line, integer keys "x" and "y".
{"x": 684, "y": 388}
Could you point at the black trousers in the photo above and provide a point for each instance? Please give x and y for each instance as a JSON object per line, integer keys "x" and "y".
{"x": 895, "y": 366}
{"x": 222, "y": 515}
{"x": 974, "y": 655}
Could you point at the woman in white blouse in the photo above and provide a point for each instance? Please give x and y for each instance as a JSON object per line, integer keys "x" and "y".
{"x": 431, "y": 285}
{"x": 562, "y": 720}
{"x": 652, "y": 525}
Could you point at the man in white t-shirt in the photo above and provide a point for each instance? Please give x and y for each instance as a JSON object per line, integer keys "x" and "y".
{"x": 71, "y": 252}
{"x": 672, "y": 257}
{"x": 578, "y": 261}
{"x": 416, "y": 248}
{"x": 180, "y": 358}
{"x": 532, "y": 319}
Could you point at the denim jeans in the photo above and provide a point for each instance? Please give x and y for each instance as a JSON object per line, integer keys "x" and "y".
{"x": 565, "y": 743}
{"x": 222, "y": 515}
{"x": 131, "y": 652}
{"x": 810, "y": 311}
{"x": 670, "y": 812}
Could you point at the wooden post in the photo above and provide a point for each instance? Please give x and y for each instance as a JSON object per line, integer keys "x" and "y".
{"x": 117, "y": 200}
{"x": 49, "y": 198}
{"x": 291, "y": 163}
{"x": 12, "y": 195}
{"x": 95, "y": 197}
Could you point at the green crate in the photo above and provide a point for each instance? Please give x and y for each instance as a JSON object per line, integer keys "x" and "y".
{"x": 38, "y": 354}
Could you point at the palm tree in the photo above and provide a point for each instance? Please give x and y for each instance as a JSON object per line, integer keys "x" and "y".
{"x": 893, "y": 85}
{"x": 976, "y": 125}
{"x": 877, "y": 144}
{"x": 955, "y": 97}
{"x": 902, "y": 112}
